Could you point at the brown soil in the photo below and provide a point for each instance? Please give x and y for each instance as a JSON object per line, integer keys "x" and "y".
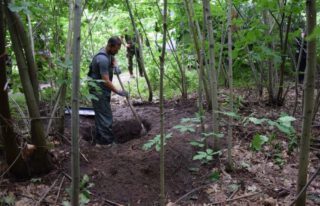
{"x": 126, "y": 174}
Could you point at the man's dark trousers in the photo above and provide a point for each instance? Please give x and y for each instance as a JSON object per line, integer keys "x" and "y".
{"x": 103, "y": 118}
{"x": 130, "y": 54}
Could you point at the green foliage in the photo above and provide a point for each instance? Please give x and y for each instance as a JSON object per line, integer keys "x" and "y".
{"x": 213, "y": 134}
{"x": 198, "y": 143}
{"x": 206, "y": 155}
{"x": 277, "y": 155}
{"x": 258, "y": 141}
{"x": 201, "y": 142}
{"x": 188, "y": 124}
{"x": 193, "y": 120}
{"x": 36, "y": 180}
{"x": 233, "y": 115}
{"x": 156, "y": 142}
{"x": 8, "y": 200}
{"x": 215, "y": 176}
{"x": 185, "y": 128}
{"x": 18, "y": 104}
{"x": 21, "y": 7}
{"x": 84, "y": 196}
{"x": 284, "y": 125}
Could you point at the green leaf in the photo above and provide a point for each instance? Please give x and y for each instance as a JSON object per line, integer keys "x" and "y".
{"x": 66, "y": 203}
{"x": 257, "y": 121}
{"x": 86, "y": 193}
{"x": 15, "y": 8}
{"x": 194, "y": 120}
{"x": 219, "y": 135}
{"x": 35, "y": 180}
{"x": 193, "y": 169}
{"x": 272, "y": 123}
{"x": 286, "y": 119}
{"x": 233, "y": 187}
{"x": 314, "y": 34}
{"x": 196, "y": 144}
{"x": 183, "y": 129}
{"x": 84, "y": 199}
{"x": 231, "y": 114}
{"x": 258, "y": 141}
{"x": 285, "y": 129}
{"x": 8, "y": 200}
{"x": 198, "y": 157}
{"x": 215, "y": 176}
{"x": 156, "y": 142}
{"x": 209, "y": 151}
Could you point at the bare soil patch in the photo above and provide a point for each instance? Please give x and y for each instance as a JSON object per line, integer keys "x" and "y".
{"x": 128, "y": 175}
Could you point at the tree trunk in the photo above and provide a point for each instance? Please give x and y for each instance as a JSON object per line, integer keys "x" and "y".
{"x": 62, "y": 100}
{"x": 193, "y": 32}
{"x": 157, "y": 63}
{"x": 28, "y": 53}
{"x": 30, "y": 34}
{"x": 200, "y": 87}
{"x": 184, "y": 86}
{"x": 75, "y": 159}
{"x": 39, "y": 161}
{"x": 284, "y": 46}
{"x": 308, "y": 101}
{"x": 140, "y": 51}
{"x": 13, "y": 155}
{"x": 212, "y": 72}
{"x": 162, "y": 132}
{"x": 230, "y": 80}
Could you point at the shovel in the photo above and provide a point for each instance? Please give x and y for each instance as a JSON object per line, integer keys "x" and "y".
{"x": 143, "y": 131}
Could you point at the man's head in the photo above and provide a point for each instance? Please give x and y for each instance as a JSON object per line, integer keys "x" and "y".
{"x": 114, "y": 45}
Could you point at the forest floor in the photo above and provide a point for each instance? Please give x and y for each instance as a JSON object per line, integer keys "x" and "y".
{"x": 126, "y": 174}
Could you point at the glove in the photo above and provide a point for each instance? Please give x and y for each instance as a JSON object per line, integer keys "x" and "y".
{"x": 123, "y": 93}
{"x": 116, "y": 70}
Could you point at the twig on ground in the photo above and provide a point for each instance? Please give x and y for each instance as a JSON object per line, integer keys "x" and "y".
{"x": 47, "y": 192}
{"x": 234, "y": 193}
{"x": 192, "y": 191}
{"x": 109, "y": 202}
{"x": 237, "y": 198}
{"x": 67, "y": 176}
{"x": 58, "y": 194}
{"x": 112, "y": 203}
{"x": 305, "y": 187}
{"x": 64, "y": 137}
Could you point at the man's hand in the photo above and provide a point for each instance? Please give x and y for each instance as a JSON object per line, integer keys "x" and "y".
{"x": 123, "y": 93}
{"x": 116, "y": 70}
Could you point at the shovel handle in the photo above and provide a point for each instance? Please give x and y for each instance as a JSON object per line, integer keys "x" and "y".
{"x": 130, "y": 105}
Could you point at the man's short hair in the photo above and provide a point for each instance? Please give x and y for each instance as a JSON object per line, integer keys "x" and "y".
{"x": 114, "y": 41}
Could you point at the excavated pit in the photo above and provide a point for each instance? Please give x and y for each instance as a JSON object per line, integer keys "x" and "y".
{"x": 123, "y": 131}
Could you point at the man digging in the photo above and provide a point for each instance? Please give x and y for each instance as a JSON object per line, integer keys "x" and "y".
{"x": 102, "y": 67}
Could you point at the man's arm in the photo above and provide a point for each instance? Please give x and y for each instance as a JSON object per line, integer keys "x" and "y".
{"x": 108, "y": 83}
